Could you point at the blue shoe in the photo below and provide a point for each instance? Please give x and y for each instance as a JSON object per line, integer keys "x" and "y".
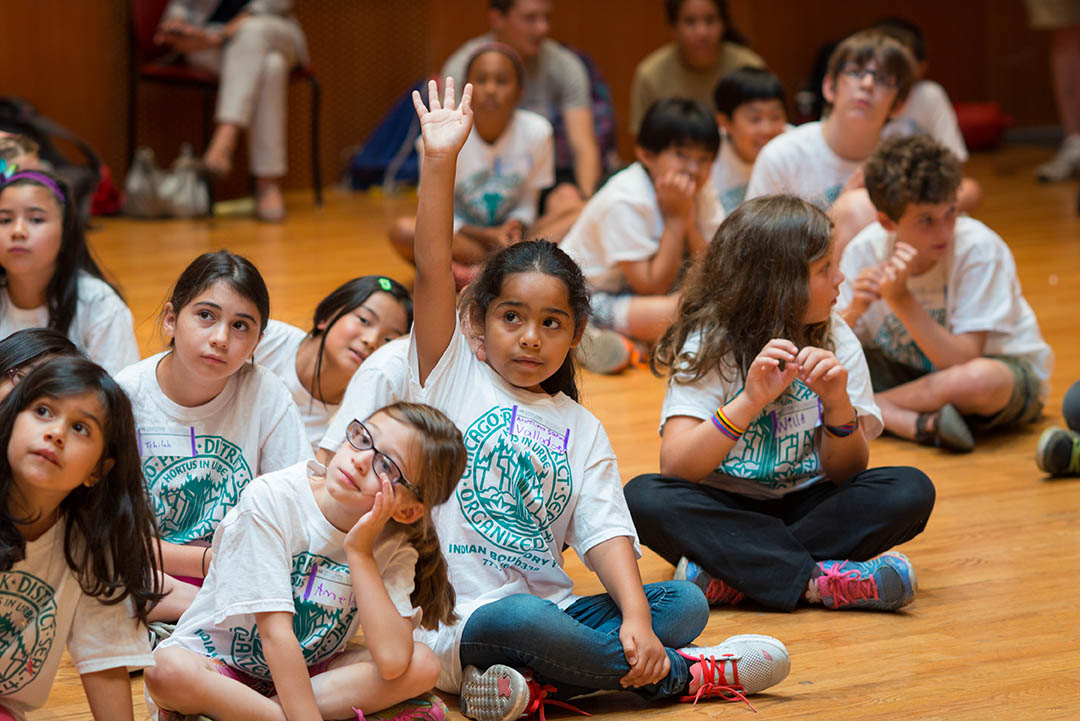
{"x": 885, "y": 583}
{"x": 716, "y": 591}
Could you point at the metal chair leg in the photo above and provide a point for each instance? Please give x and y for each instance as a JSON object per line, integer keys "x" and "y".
{"x": 316, "y": 179}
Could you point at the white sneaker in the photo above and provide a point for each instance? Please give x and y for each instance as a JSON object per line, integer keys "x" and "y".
{"x": 1063, "y": 165}
{"x": 499, "y": 693}
{"x": 738, "y": 667}
{"x": 604, "y": 351}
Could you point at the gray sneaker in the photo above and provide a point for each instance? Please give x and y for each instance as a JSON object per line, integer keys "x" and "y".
{"x": 1058, "y": 452}
{"x": 604, "y": 351}
{"x": 1063, "y": 165}
{"x": 499, "y": 693}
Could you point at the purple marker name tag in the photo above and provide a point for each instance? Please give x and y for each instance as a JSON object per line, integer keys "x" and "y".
{"x": 171, "y": 443}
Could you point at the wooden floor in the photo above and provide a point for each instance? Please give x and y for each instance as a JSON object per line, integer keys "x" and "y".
{"x": 994, "y": 632}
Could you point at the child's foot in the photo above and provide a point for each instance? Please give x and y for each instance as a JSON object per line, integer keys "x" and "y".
{"x": 605, "y": 352}
{"x": 1058, "y": 452}
{"x": 945, "y": 429}
{"x": 716, "y": 591}
{"x": 736, "y": 668}
{"x": 885, "y": 583}
{"x": 428, "y": 707}
{"x": 498, "y": 694}
{"x": 1063, "y": 165}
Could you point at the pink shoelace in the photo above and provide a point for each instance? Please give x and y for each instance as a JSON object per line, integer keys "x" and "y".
{"x": 714, "y": 682}
{"x": 538, "y": 698}
{"x": 845, "y": 586}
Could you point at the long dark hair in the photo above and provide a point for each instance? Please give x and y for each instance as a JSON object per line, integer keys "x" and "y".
{"x": 534, "y": 256}
{"x": 344, "y": 300}
{"x": 442, "y": 462}
{"x": 62, "y": 293}
{"x": 237, "y": 271}
{"x": 25, "y": 346}
{"x": 109, "y": 530}
{"x": 750, "y": 286}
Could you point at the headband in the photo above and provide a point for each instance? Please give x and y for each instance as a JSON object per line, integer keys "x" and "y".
{"x": 38, "y": 177}
{"x": 509, "y": 52}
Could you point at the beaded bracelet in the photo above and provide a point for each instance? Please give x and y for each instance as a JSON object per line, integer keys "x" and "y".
{"x": 842, "y": 431}
{"x": 725, "y": 426}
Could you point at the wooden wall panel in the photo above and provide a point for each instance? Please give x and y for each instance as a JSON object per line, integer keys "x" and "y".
{"x": 70, "y": 58}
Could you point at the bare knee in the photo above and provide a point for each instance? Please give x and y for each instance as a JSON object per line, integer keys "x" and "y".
{"x": 982, "y": 382}
{"x": 969, "y": 196}
{"x": 402, "y": 235}
{"x": 563, "y": 199}
{"x": 172, "y": 677}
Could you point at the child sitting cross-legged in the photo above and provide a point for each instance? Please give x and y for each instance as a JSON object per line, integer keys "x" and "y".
{"x": 311, "y": 557}
{"x": 635, "y": 234}
{"x": 951, "y": 343}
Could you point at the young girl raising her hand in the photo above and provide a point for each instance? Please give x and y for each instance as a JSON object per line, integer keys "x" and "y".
{"x": 78, "y": 559}
{"x": 541, "y": 475}
{"x": 763, "y": 488}
{"x": 209, "y": 420}
{"x": 310, "y": 557}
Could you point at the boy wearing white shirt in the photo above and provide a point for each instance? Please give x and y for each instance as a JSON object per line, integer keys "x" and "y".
{"x": 868, "y": 79}
{"x": 750, "y": 112}
{"x": 935, "y": 299}
{"x": 635, "y": 233}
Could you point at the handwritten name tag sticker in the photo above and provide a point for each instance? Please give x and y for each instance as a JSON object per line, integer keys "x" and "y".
{"x": 166, "y": 443}
{"x": 330, "y": 588}
{"x": 802, "y": 416}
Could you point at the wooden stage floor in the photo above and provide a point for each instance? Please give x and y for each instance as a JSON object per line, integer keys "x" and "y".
{"x": 994, "y": 632}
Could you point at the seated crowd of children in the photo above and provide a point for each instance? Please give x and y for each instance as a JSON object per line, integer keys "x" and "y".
{"x": 329, "y": 523}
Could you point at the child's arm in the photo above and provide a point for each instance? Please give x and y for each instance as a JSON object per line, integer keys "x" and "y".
{"x": 388, "y": 635}
{"x": 287, "y": 666}
{"x": 181, "y": 560}
{"x": 655, "y": 276}
{"x": 841, "y": 457}
{"x": 444, "y": 130}
{"x": 109, "y": 694}
{"x": 692, "y": 448}
{"x": 942, "y": 347}
{"x": 617, "y": 568}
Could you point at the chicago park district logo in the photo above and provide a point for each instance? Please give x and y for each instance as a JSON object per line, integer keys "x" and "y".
{"x": 517, "y": 482}
{"x": 190, "y": 495}
{"x": 27, "y": 628}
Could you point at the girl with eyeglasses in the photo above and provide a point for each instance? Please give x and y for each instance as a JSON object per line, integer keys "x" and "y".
{"x": 209, "y": 420}
{"x": 311, "y": 557}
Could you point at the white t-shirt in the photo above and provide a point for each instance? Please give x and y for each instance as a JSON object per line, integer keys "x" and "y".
{"x": 102, "y": 326}
{"x": 498, "y": 542}
{"x": 275, "y": 551}
{"x": 973, "y": 288}
{"x": 779, "y": 452}
{"x": 730, "y": 174}
{"x": 502, "y": 181}
{"x": 380, "y": 381}
{"x": 277, "y": 352}
{"x": 800, "y": 162}
{"x": 196, "y": 461}
{"x": 42, "y": 610}
{"x": 928, "y": 110}
{"x": 622, "y": 222}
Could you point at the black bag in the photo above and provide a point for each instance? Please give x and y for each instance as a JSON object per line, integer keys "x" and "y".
{"x": 19, "y": 116}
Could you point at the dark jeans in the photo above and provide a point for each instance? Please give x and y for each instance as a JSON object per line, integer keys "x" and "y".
{"x": 767, "y": 548}
{"x": 578, "y": 649}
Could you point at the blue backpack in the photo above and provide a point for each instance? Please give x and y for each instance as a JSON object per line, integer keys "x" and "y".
{"x": 388, "y": 156}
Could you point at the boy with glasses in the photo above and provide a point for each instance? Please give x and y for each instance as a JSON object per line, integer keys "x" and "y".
{"x": 868, "y": 78}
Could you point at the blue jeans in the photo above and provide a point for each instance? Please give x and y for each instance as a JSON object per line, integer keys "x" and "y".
{"x": 578, "y": 649}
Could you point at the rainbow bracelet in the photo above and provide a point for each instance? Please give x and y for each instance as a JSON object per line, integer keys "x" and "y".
{"x": 725, "y": 426}
{"x": 841, "y": 431}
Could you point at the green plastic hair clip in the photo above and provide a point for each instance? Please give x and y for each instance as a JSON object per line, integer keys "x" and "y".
{"x": 7, "y": 169}
{"x": 385, "y": 284}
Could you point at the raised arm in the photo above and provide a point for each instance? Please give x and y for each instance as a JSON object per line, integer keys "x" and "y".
{"x": 444, "y": 129}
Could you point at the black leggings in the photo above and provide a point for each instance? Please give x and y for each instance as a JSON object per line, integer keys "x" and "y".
{"x": 767, "y": 548}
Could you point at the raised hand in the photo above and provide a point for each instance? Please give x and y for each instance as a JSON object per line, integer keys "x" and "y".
{"x": 361, "y": 537}
{"x": 823, "y": 373}
{"x": 895, "y": 273}
{"x": 765, "y": 381}
{"x": 444, "y": 127}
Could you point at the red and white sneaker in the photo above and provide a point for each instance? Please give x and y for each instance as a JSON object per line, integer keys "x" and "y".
{"x": 736, "y": 668}
{"x": 499, "y": 693}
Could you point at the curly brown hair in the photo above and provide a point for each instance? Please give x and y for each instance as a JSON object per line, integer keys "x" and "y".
{"x": 750, "y": 286}
{"x": 909, "y": 170}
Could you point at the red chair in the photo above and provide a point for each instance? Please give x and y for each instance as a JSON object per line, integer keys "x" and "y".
{"x": 150, "y": 63}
